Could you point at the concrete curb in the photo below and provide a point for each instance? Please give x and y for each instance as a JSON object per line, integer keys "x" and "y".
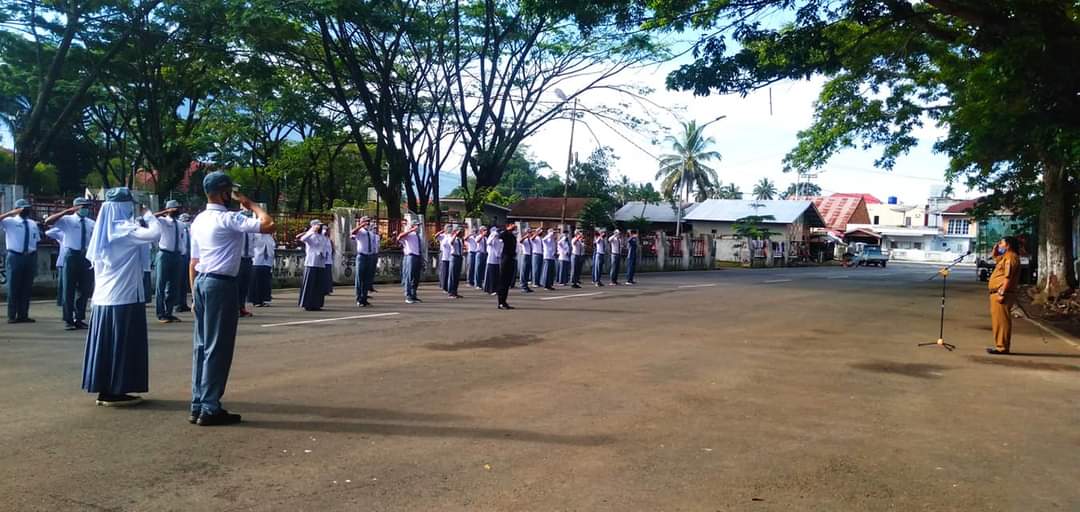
{"x": 1057, "y": 333}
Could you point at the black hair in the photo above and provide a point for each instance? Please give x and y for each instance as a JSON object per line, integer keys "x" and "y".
{"x": 1013, "y": 243}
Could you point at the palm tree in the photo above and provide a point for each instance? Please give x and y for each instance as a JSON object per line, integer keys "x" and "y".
{"x": 685, "y": 170}
{"x": 765, "y": 190}
{"x": 729, "y": 191}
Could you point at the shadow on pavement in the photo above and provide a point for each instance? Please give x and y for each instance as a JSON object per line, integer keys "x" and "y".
{"x": 917, "y": 370}
{"x": 1024, "y": 363}
{"x": 388, "y": 429}
{"x": 361, "y": 413}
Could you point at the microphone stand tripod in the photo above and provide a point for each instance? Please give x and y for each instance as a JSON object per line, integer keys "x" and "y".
{"x": 944, "y": 273}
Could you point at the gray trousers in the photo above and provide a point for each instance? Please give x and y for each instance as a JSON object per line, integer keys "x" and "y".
{"x": 410, "y": 274}
{"x": 365, "y": 275}
{"x": 20, "y": 272}
{"x": 78, "y": 286}
{"x": 168, "y": 290}
{"x": 217, "y": 311}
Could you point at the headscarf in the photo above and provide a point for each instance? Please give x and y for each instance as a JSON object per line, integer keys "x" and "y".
{"x": 114, "y": 222}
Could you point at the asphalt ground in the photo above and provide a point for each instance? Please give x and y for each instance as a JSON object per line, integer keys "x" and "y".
{"x": 778, "y": 390}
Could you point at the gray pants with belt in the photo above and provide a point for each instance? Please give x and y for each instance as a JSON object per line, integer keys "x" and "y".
{"x": 410, "y": 275}
{"x": 169, "y": 275}
{"x": 217, "y": 311}
{"x": 78, "y": 286}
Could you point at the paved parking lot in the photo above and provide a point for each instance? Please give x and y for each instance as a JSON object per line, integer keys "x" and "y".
{"x": 782, "y": 389}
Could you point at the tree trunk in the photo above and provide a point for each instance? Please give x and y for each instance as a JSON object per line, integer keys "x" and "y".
{"x": 1054, "y": 233}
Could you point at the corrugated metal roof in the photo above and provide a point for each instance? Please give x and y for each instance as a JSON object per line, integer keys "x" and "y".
{"x": 662, "y": 212}
{"x": 838, "y": 209}
{"x": 730, "y": 210}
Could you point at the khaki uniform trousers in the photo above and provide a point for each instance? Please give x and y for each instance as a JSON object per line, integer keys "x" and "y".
{"x": 1001, "y": 321}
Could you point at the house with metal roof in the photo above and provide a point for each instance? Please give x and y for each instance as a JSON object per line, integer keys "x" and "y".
{"x": 792, "y": 219}
{"x": 661, "y": 216}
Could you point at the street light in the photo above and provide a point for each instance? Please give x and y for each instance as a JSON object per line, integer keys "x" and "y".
{"x": 569, "y": 156}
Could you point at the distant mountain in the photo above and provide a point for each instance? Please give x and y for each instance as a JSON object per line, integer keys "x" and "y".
{"x": 448, "y": 181}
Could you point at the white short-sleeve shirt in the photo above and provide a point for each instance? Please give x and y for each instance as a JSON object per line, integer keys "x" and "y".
{"x": 217, "y": 239}
{"x": 15, "y": 231}
{"x": 410, "y": 244}
{"x": 72, "y": 226}
{"x": 171, "y": 234}
{"x": 366, "y": 242}
{"x": 549, "y": 247}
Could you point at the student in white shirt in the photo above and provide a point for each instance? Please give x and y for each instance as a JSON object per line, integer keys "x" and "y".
{"x": 537, "y": 256}
{"x": 217, "y": 239}
{"x": 615, "y": 244}
{"x": 367, "y": 248}
{"x": 470, "y": 264}
{"x": 548, "y": 248}
{"x": 411, "y": 263}
{"x": 21, "y": 234}
{"x": 185, "y": 256}
{"x": 480, "y": 268}
{"x": 170, "y": 269}
{"x": 577, "y": 258}
{"x": 562, "y": 253}
{"x": 78, "y": 227}
{"x": 457, "y": 244}
{"x": 328, "y": 259}
{"x": 262, "y": 269}
{"x": 494, "y": 260}
{"x": 313, "y": 287}
{"x": 116, "y": 361}
{"x": 58, "y": 235}
{"x": 243, "y": 279}
{"x": 599, "y": 255}
{"x": 442, "y": 240}
{"x": 525, "y": 259}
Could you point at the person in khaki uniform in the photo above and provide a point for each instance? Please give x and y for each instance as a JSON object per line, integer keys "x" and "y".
{"x": 1003, "y": 287}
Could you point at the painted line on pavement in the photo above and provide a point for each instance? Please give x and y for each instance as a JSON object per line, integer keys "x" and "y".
{"x": 839, "y": 277}
{"x": 572, "y": 296}
{"x": 1055, "y": 332}
{"x": 697, "y": 285}
{"x": 355, "y": 317}
{"x": 772, "y": 281}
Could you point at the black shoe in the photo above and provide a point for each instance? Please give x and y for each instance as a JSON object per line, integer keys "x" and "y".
{"x": 415, "y": 299}
{"x": 79, "y": 324}
{"x": 193, "y": 418}
{"x": 505, "y": 306}
{"x": 28, "y": 320}
{"x": 995, "y": 352}
{"x": 312, "y": 309}
{"x": 70, "y": 327}
{"x": 221, "y": 417}
{"x": 373, "y": 291}
{"x": 365, "y": 304}
{"x": 575, "y": 286}
{"x": 118, "y": 400}
{"x": 174, "y": 319}
{"x": 13, "y": 321}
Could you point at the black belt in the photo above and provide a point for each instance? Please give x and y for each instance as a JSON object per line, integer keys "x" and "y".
{"x": 222, "y": 277}
{"x": 167, "y": 251}
{"x": 13, "y": 251}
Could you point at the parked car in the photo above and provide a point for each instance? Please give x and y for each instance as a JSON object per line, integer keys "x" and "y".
{"x": 984, "y": 266}
{"x": 872, "y": 255}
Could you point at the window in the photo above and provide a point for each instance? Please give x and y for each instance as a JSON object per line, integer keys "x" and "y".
{"x": 892, "y": 245}
{"x": 907, "y": 221}
{"x": 877, "y": 220}
{"x": 918, "y": 246}
{"x": 958, "y": 226}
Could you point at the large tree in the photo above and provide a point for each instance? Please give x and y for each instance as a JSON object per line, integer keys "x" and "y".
{"x": 688, "y": 168}
{"x": 991, "y": 72}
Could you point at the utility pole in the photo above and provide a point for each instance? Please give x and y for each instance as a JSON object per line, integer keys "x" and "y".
{"x": 569, "y": 163}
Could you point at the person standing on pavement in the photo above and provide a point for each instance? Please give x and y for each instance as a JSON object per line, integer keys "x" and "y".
{"x": 547, "y": 248}
{"x": 577, "y": 258}
{"x": 313, "y": 287}
{"x": 78, "y": 227}
{"x": 615, "y": 245}
{"x": 366, "y": 247}
{"x": 494, "y": 261}
{"x": 563, "y": 254}
{"x": 147, "y": 259}
{"x": 169, "y": 264}
{"x": 185, "y": 258}
{"x": 376, "y": 240}
{"x": 470, "y": 263}
{"x": 442, "y": 241}
{"x": 58, "y": 235}
{"x": 243, "y": 279}
{"x": 116, "y": 359}
{"x": 507, "y": 250}
{"x": 632, "y": 251}
{"x": 599, "y": 254}
{"x": 457, "y": 244}
{"x": 525, "y": 256}
{"x": 328, "y": 259}
{"x": 1003, "y": 287}
{"x": 412, "y": 263}
{"x": 481, "y": 258}
{"x": 537, "y": 241}
{"x": 217, "y": 239}
{"x": 21, "y": 234}
{"x": 262, "y": 270}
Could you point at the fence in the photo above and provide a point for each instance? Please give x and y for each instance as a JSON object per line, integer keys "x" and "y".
{"x": 674, "y": 248}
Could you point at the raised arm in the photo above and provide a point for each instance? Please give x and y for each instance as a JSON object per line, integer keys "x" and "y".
{"x": 56, "y": 216}
{"x": 266, "y": 222}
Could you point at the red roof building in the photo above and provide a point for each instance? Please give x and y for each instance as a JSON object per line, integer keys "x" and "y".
{"x": 962, "y": 208}
{"x": 547, "y": 211}
{"x": 869, "y": 198}
{"x": 839, "y": 210}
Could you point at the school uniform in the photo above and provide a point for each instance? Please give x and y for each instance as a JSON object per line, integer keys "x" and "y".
{"x": 78, "y": 277}
{"x": 632, "y": 248}
{"x": 454, "y": 276}
{"x": 328, "y": 265}
{"x": 169, "y": 268}
{"x": 494, "y": 262}
{"x": 217, "y": 241}
{"x": 262, "y": 269}
{"x": 58, "y": 235}
{"x": 470, "y": 263}
{"x": 411, "y": 265}
{"x": 21, "y": 236}
{"x": 615, "y": 246}
{"x": 548, "y": 253}
{"x": 577, "y": 261}
{"x": 185, "y": 264}
{"x": 116, "y": 359}
{"x": 537, "y": 261}
{"x": 480, "y": 269}
{"x": 367, "y": 247}
{"x": 147, "y": 260}
{"x": 445, "y": 252}
{"x": 243, "y": 278}
{"x": 313, "y": 288}
{"x": 525, "y": 262}
{"x": 506, "y": 248}
{"x": 562, "y": 263}
{"x": 599, "y": 254}
{"x": 375, "y": 241}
